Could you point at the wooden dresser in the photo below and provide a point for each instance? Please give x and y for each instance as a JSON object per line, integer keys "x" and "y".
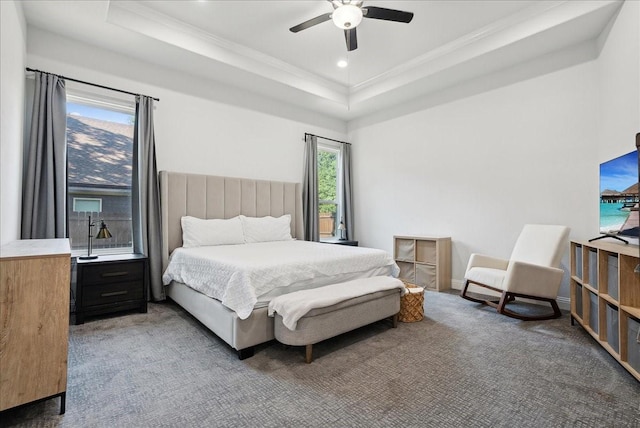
{"x": 34, "y": 321}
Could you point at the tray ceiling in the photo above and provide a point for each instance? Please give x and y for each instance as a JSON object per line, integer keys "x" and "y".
{"x": 248, "y": 43}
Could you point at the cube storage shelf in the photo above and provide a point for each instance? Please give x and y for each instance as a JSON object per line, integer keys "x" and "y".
{"x": 424, "y": 261}
{"x": 605, "y": 298}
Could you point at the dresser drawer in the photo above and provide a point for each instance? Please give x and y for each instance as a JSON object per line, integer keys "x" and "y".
{"x": 112, "y": 272}
{"x": 102, "y": 294}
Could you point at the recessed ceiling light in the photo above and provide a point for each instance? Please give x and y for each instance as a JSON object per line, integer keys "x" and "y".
{"x": 342, "y": 63}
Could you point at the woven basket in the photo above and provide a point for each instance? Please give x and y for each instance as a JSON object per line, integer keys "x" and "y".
{"x": 411, "y": 306}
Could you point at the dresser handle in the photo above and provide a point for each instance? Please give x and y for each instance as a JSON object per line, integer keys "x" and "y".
{"x": 112, "y": 274}
{"x": 114, "y": 293}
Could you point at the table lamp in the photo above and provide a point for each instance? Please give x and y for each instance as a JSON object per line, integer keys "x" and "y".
{"x": 342, "y": 229}
{"x": 103, "y": 233}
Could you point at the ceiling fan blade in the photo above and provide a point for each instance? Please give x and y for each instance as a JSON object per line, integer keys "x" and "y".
{"x": 310, "y": 23}
{"x": 387, "y": 14}
{"x": 351, "y": 39}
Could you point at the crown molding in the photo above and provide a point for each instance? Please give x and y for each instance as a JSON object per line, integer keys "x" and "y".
{"x": 508, "y": 31}
{"x": 507, "y": 34}
{"x": 135, "y": 16}
{"x": 462, "y": 42}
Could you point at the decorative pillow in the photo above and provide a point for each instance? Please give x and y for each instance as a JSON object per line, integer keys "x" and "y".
{"x": 265, "y": 229}
{"x": 197, "y": 232}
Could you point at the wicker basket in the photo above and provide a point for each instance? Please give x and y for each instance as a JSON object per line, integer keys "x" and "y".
{"x": 412, "y": 305}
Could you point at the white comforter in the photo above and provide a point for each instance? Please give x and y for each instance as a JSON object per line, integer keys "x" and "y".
{"x": 238, "y": 274}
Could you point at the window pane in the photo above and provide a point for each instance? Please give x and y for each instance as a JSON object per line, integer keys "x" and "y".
{"x": 91, "y": 205}
{"x": 327, "y": 178}
{"x": 99, "y": 162}
{"x": 327, "y": 191}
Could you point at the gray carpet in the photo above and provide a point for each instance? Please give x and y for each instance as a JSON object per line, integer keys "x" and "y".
{"x": 463, "y": 365}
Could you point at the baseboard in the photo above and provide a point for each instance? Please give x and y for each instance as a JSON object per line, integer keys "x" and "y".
{"x": 456, "y": 284}
{"x": 564, "y": 302}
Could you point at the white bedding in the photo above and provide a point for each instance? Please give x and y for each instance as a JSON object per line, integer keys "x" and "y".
{"x": 239, "y": 275}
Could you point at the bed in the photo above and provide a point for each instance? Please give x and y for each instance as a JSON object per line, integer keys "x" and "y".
{"x": 242, "y": 321}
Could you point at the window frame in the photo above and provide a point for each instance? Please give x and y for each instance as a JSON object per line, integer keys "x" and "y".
{"x": 335, "y": 148}
{"x": 115, "y": 102}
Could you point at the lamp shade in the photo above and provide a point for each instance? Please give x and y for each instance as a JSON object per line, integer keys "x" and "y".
{"x": 103, "y": 233}
{"x": 347, "y": 16}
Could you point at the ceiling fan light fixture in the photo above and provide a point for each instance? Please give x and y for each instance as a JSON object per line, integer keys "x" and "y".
{"x": 347, "y": 16}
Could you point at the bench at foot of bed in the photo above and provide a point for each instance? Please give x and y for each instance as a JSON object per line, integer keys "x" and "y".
{"x": 322, "y": 323}
{"x": 308, "y": 355}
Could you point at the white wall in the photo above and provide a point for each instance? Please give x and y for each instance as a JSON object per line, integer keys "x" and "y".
{"x": 197, "y": 135}
{"x": 619, "y": 84}
{"x": 196, "y": 130}
{"x": 12, "y": 63}
{"x": 479, "y": 168}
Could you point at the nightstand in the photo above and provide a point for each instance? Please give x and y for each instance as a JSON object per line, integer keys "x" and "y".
{"x": 111, "y": 284}
{"x": 341, "y": 242}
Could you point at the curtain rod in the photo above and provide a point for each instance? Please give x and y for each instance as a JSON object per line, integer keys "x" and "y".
{"x": 324, "y": 138}
{"x": 89, "y": 83}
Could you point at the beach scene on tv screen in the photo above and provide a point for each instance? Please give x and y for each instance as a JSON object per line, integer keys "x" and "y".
{"x": 619, "y": 196}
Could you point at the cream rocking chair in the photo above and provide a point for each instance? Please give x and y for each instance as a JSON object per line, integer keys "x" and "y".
{"x": 532, "y": 271}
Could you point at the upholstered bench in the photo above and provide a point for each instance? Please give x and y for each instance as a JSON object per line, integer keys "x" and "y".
{"x": 304, "y": 318}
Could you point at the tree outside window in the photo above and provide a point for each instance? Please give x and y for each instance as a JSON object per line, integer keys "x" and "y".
{"x": 328, "y": 168}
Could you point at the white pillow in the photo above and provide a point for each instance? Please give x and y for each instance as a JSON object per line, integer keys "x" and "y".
{"x": 266, "y": 229}
{"x": 197, "y": 232}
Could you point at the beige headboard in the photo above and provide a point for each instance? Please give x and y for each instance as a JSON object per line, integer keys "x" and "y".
{"x": 208, "y": 196}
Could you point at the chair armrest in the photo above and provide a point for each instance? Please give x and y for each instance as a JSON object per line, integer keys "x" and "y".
{"x": 480, "y": 260}
{"x": 534, "y": 280}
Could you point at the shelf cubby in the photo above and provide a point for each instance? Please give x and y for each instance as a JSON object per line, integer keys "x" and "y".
{"x": 605, "y": 298}
{"x": 424, "y": 261}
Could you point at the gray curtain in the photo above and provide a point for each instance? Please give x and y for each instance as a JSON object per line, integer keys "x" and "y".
{"x": 44, "y": 204}
{"x": 310, "y": 190}
{"x": 346, "y": 203}
{"x": 147, "y": 238}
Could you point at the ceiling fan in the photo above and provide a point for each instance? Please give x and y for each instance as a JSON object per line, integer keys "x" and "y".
{"x": 347, "y": 14}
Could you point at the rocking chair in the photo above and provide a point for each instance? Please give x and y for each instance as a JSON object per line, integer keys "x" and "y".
{"x": 532, "y": 271}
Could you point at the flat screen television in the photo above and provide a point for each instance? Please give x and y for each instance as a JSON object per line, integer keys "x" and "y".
{"x": 619, "y": 198}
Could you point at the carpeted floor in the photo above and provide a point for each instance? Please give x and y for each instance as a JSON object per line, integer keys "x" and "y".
{"x": 462, "y": 366}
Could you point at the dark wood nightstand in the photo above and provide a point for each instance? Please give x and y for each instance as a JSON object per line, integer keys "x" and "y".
{"x": 111, "y": 284}
{"x": 341, "y": 242}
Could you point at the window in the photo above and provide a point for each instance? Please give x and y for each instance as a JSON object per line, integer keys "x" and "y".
{"x": 328, "y": 189}
{"x": 99, "y": 167}
{"x": 87, "y": 205}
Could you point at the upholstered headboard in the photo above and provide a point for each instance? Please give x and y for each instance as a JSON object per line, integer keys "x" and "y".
{"x": 208, "y": 196}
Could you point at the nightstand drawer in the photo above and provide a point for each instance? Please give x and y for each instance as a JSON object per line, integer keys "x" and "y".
{"x": 112, "y": 272}
{"x": 93, "y": 295}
